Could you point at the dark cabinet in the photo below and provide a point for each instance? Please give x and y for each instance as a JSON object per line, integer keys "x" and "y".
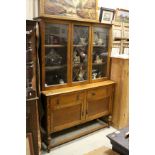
{"x": 32, "y": 100}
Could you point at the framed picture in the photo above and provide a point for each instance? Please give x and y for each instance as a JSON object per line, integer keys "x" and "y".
{"x": 115, "y": 52}
{"x": 69, "y": 9}
{"x": 126, "y": 33}
{"x": 122, "y": 15}
{"x": 29, "y": 144}
{"x": 117, "y": 33}
{"x": 106, "y": 15}
{"x": 126, "y": 51}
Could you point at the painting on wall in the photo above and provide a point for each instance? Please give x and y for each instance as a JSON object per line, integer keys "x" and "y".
{"x": 75, "y": 9}
{"x": 122, "y": 15}
{"x": 106, "y": 15}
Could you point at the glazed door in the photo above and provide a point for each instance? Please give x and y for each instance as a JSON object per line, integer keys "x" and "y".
{"x": 56, "y": 51}
{"x": 31, "y": 57}
{"x": 99, "y": 53}
{"x": 80, "y": 53}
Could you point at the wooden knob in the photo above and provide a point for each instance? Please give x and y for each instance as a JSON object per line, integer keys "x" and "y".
{"x": 77, "y": 97}
{"x": 93, "y": 93}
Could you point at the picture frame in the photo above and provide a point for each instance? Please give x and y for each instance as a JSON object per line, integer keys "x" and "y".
{"x": 117, "y": 33}
{"x": 126, "y": 51}
{"x": 125, "y": 48}
{"x": 126, "y": 33}
{"x": 106, "y": 15}
{"x": 115, "y": 52}
{"x": 69, "y": 9}
{"x": 29, "y": 144}
{"x": 122, "y": 16}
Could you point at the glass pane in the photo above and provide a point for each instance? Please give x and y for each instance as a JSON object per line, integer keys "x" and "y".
{"x": 30, "y": 61}
{"x": 80, "y": 53}
{"x": 55, "y": 54}
{"x": 100, "y": 52}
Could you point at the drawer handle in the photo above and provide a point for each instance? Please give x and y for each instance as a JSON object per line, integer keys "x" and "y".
{"x": 86, "y": 112}
{"x": 77, "y": 97}
{"x": 93, "y": 94}
{"x": 58, "y": 101}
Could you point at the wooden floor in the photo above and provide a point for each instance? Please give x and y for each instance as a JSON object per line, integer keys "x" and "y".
{"x": 102, "y": 151}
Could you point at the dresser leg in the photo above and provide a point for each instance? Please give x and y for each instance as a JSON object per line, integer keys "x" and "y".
{"x": 109, "y": 120}
{"x": 48, "y": 142}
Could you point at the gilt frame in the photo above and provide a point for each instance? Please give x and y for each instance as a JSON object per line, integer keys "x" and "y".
{"x": 66, "y": 9}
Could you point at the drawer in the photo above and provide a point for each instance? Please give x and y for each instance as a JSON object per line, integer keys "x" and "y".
{"x": 67, "y": 99}
{"x": 97, "y": 93}
{"x": 71, "y": 98}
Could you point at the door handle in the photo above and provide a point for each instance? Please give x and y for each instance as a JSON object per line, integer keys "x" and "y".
{"x": 86, "y": 112}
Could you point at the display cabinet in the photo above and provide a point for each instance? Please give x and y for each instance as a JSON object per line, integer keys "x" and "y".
{"x": 32, "y": 93}
{"x": 31, "y": 87}
{"x": 74, "y": 74}
{"x": 66, "y": 47}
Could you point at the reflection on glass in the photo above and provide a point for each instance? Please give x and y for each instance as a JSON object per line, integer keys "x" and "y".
{"x": 100, "y": 52}
{"x": 55, "y": 54}
{"x": 30, "y": 61}
{"x": 80, "y": 52}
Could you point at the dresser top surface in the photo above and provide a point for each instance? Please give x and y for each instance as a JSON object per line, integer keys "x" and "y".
{"x": 77, "y": 88}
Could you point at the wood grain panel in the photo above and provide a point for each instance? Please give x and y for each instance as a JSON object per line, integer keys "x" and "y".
{"x": 96, "y": 94}
{"x": 66, "y": 115}
{"x": 70, "y": 98}
{"x": 32, "y": 123}
{"x": 98, "y": 106}
{"x": 120, "y": 74}
{"x": 78, "y": 88}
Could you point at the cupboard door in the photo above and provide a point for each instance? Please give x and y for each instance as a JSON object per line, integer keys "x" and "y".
{"x": 56, "y": 54}
{"x": 67, "y": 110}
{"x": 100, "y": 52}
{"x": 80, "y": 53}
{"x": 98, "y": 102}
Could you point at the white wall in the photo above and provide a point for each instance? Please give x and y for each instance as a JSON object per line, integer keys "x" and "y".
{"x": 29, "y": 9}
{"x": 31, "y": 4}
{"x": 113, "y": 4}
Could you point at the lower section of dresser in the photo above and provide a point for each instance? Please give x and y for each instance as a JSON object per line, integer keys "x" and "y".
{"x": 69, "y": 107}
